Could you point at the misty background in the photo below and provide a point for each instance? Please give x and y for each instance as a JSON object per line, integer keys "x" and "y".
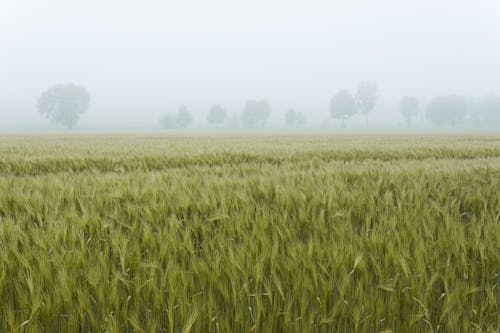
{"x": 139, "y": 59}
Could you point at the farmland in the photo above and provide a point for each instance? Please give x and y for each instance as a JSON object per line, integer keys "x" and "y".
{"x": 226, "y": 233}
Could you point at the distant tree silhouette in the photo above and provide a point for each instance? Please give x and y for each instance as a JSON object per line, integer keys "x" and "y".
{"x": 64, "y": 103}
{"x": 294, "y": 118}
{"x": 488, "y": 110}
{"x": 216, "y": 115}
{"x": 366, "y": 97}
{"x": 183, "y": 117}
{"x": 409, "y": 108}
{"x": 255, "y": 112}
{"x": 343, "y": 106}
{"x": 233, "y": 120}
{"x": 447, "y": 110}
{"x": 167, "y": 121}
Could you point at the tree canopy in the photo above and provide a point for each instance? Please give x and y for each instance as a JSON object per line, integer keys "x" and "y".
{"x": 447, "y": 110}
{"x": 216, "y": 115}
{"x": 167, "y": 121}
{"x": 64, "y": 103}
{"x": 366, "y": 97}
{"x": 255, "y": 112}
{"x": 488, "y": 110}
{"x": 409, "y": 107}
{"x": 294, "y": 118}
{"x": 183, "y": 117}
{"x": 343, "y": 106}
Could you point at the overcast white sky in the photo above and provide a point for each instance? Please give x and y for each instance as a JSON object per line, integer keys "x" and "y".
{"x": 141, "y": 58}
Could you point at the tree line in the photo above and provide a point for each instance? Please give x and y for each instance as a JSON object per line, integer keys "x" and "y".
{"x": 64, "y": 104}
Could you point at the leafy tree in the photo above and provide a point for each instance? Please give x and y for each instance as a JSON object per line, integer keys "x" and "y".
{"x": 64, "y": 103}
{"x": 255, "y": 112}
{"x": 167, "y": 121}
{"x": 343, "y": 106}
{"x": 233, "y": 120}
{"x": 447, "y": 110}
{"x": 488, "y": 110}
{"x": 409, "y": 108}
{"x": 183, "y": 117}
{"x": 366, "y": 97}
{"x": 216, "y": 115}
{"x": 294, "y": 118}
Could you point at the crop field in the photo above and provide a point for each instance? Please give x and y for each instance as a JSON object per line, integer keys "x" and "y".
{"x": 250, "y": 233}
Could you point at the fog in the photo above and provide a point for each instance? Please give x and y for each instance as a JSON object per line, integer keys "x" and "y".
{"x": 140, "y": 59}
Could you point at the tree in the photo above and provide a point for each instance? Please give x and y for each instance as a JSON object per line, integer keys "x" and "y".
{"x": 488, "y": 110}
{"x": 343, "y": 106}
{"x": 183, "y": 117}
{"x": 366, "y": 97}
{"x": 64, "y": 104}
{"x": 447, "y": 110}
{"x": 167, "y": 121}
{"x": 409, "y": 108}
{"x": 233, "y": 120}
{"x": 255, "y": 112}
{"x": 294, "y": 118}
{"x": 216, "y": 115}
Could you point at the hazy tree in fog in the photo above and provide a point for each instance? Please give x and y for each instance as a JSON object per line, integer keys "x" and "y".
{"x": 447, "y": 110}
{"x": 409, "y": 108}
{"x": 216, "y": 115}
{"x": 233, "y": 120}
{"x": 167, "y": 121}
{"x": 294, "y": 118}
{"x": 343, "y": 106}
{"x": 183, "y": 117}
{"x": 487, "y": 110}
{"x": 474, "y": 105}
{"x": 64, "y": 104}
{"x": 366, "y": 97}
{"x": 255, "y": 112}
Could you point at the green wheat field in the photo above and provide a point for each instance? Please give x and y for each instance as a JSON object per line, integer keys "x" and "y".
{"x": 249, "y": 233}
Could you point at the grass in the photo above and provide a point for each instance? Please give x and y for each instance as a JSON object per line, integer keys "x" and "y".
{"x": 139, "y": 233}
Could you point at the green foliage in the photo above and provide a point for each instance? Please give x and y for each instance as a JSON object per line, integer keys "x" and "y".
{"x": 264, "y": 234}
{"x": 255, "y": 112}
{"x": 183, "y": 117}
{"x": 409, "y": 108}
{"x": 294, "y": 118}
{"x": 488, "y": 110}
{"x": 366, "y": 97}
{"x": 64, "y": 104}
{"x": 167, "y": 121}
{"x": 216, "y": 115}
{"x": 343, "y": 106}
{"x": 447, "y": 110}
